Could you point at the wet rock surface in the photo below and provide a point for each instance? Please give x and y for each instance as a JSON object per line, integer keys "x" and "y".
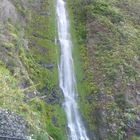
{"x": 12, "y": 126}
{"x": 55, "y": 97}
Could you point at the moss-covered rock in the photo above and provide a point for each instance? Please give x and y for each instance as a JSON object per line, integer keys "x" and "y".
{"x": 107, "y": 34}
{"x": 28, "y": 69}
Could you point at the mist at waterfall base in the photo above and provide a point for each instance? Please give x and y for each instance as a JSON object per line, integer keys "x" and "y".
{"x": 67, "y": 77}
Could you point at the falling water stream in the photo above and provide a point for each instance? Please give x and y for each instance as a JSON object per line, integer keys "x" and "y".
{"x": 67, "y": 76}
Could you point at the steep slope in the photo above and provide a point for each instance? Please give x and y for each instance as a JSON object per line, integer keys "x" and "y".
{"x": 28, "y": 67}
{"x": 106, "y": 51}
{"x": 106, "y": 34}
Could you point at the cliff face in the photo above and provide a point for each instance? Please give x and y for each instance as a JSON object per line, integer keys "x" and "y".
{"x": 28, "y": 68}
{"x": 108, "y": 36}
{"x": 106, "y": 49}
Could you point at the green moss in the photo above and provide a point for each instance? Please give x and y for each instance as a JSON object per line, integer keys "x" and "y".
{"x": 109, "y": 57}
{"x": 43, "y": 50}
{"x": 12, "y": 98}
{"x": 28, "y": 49}
{"x": 85, "y": 85}
{"x": 136, "y": 138}
{"x": 42, "y": 32}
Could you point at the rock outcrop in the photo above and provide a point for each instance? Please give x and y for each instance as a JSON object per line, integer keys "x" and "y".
{"x": 7, "y": 11}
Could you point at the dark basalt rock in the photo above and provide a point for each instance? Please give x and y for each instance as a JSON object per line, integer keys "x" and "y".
{"x": 48, "y": 66}
{"x": 12, "y": 126}
{"x": 38, "y": 35}
{"x": 137, "y": 128}
{"x": 55, "y": 97}
{"x": 54, "y": 120}
{"x": 44, "y": 14}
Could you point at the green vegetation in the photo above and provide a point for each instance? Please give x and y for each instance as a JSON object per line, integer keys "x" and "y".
{"x": 135, "y": 138}
{"x": 106, "y": 35}
{"x": 42, "y": 33}
{"x": 28, "y": 70}
{"x": 12, "y": 98}
{"x": 106, "y": 38}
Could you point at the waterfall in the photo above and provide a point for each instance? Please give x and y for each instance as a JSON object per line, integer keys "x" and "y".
{"x": 67, "y": 77}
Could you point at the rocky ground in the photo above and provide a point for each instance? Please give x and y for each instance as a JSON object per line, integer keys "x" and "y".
{"x": 12, "y": 125}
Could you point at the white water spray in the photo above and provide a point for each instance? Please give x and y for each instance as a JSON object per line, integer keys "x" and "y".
{"x": 67, "y": 76}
